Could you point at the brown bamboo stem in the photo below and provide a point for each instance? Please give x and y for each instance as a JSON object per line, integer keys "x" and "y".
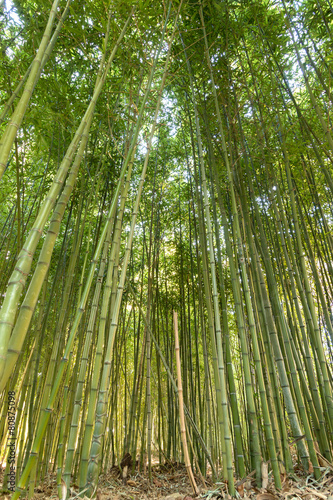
{"x": 181, "y": 410}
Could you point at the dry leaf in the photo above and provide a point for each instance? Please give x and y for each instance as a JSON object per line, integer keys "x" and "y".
{"x": 174, "y": 496}
{"x": 248, "y": 485}
{"x": 323, "y": 462}
{"x": 131, "y": 483}
{"x": 266, "y": 496}
{"x": 316, "y": 493}
{"x": 240, "y": 489}
{"x": 286, "y": 487}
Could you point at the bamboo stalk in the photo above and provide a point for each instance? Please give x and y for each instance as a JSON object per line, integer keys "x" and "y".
{"x": 181, "y": 410}
{"x": 8, "y": 137}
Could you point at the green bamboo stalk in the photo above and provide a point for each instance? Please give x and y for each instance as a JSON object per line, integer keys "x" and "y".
{"x": 211, "y": 327}
{"x": 148, "y": 353}
{"x": 171, "y": 378}
{"x": 270, "y": 438}
{"x": 239, "y": 453}
{"x": 8, "y": 137}
{"x": 93, "y": 467}
{"x": 44, "y": 60}
{"x": 29, "y": 303}
{"x": 45, "y": 416}
{"x": 307, "y": 84}
{"x": 74, "y": 428}
{"x": 60, "y": 450}
{"x": 22, "y": 269}
{"x": 213, "y": 312}
{"x": 222, "y": 376}
{"x": 207, "y": 381}
{"x": 101, "y": 338}
{"x": 293, "y": 272}
{"x": 312, "y": 318}
{"x": 279, "y": 358}
{"x": 290, "y": 406}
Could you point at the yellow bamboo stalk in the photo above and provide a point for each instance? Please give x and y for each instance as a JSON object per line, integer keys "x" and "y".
{"x": 181, "y": 410}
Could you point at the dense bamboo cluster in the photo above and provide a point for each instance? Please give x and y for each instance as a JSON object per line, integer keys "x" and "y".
{"x": 160, "y": 158}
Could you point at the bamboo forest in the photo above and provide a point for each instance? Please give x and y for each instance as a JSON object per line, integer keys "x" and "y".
{"x": 166, "y": 249}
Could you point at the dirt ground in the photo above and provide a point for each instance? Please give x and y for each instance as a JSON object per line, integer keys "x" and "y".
{"x": 170, "y": 482}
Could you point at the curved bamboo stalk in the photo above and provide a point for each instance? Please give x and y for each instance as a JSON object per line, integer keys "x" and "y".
{"x": 45, "y": 58}
{"x": 19, "y": 276}
{"x": 8, "y": 137}
{"x": 86, "y": 442}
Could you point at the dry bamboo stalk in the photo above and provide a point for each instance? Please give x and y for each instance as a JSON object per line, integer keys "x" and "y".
{"x": 181, "y": 410}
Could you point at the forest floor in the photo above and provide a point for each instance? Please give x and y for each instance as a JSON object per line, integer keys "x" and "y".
{"x": 170, "y": 482}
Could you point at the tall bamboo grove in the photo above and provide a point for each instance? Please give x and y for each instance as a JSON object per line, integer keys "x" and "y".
{"x": 160, "y": 161}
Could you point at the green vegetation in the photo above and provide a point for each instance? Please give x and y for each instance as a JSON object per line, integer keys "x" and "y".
{"x": 156, "y": 158}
